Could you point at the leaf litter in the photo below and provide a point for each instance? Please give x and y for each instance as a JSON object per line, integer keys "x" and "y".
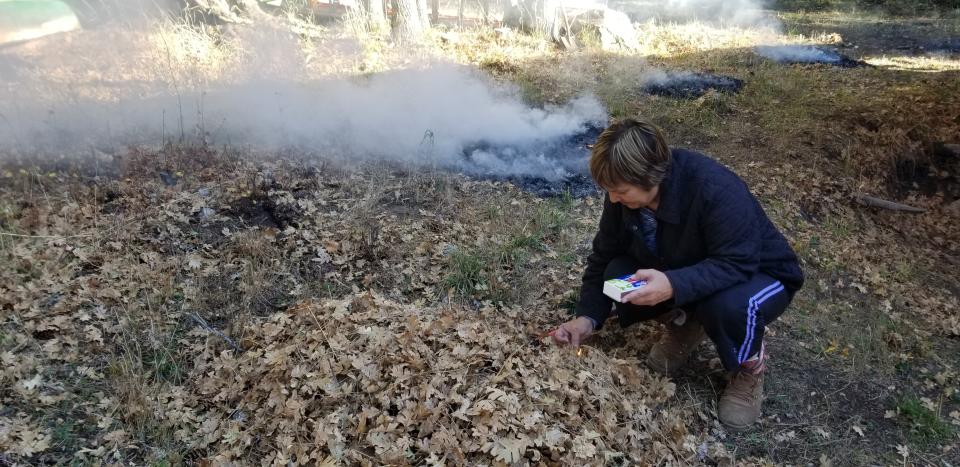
{"x": 163, "y": 321}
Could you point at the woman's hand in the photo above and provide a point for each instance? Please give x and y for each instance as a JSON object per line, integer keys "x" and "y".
{"x": 573, "y": 332}
{"x": 657, "y": 289}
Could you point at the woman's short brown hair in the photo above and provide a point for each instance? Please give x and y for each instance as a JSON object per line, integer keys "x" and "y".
{"x": 630, "y": 151}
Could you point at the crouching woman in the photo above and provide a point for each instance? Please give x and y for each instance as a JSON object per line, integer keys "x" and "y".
{"x": 714, "y": 264}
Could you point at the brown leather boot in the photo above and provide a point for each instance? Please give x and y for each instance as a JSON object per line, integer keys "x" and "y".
{"x": 676, "y": 344}
{"x": 739, "y": 406}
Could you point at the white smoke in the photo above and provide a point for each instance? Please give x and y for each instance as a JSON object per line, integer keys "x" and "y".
{"x": 657, "y": 77}
{"x": 797, "y": 54}
{"x": 421, "y": 116}
{"x": 730, "y": 12}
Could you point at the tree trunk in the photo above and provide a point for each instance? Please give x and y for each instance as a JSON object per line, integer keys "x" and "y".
{"x": 434, "y": 11}
{"x": 485, "y": 11}
{"x": 407, "y": 20}
{"x": 423, "y": 9}
{"x": 523, "y": 14}
{"x": 376, "y": 16}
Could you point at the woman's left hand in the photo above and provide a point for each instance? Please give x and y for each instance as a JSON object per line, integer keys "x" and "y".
{"x": 657, "y": 289}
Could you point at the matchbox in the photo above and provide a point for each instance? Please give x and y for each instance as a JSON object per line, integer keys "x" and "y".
{"x": 617, "y": 288}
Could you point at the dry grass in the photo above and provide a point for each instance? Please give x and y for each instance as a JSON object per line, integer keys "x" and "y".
{"x": 671, "y": 39}
{"x": 191, "y": 54}
{"x": 925, "y": 64}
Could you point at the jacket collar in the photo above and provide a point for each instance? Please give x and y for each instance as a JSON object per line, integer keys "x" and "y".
{"x": 671, "y": 189}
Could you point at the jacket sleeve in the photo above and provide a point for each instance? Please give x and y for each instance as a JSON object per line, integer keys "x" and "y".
{"x": 730, "y": 227}
{"x": 611, "y": 241}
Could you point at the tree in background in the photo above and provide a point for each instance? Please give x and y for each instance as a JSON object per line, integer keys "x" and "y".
{"x": 374, "y": 15}
{"x": 410, "y": 19}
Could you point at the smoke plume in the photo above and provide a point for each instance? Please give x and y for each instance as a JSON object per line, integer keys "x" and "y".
{"x": 730, "y": 12}
{"x": 444, "y": 116}
{"x": 797, "y": 54}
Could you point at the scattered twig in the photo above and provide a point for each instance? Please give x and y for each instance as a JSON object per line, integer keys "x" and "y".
{"x": 882, "y": 203}
{"x": 203, "y": 323}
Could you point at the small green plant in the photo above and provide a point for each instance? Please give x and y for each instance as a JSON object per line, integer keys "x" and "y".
{"x": 493, "y": 211}
{"x": 925, "y": 427}
{"x": 465, "y": 272}
{"x": 518, "y": 246}
{"x": 165, "y": 366}
{"x": 838, "y": 226}
{"x": 553, "y": 217}
{"x": 64, "y": 434}
{"x": 567, "y": 257}
{"x": 493, "y": 272}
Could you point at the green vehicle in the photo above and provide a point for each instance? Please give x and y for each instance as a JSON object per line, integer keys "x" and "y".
{"x": 22, "y": 20}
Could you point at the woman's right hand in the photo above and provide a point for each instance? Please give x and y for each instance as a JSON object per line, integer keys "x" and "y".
{"x": 573, "y": 332}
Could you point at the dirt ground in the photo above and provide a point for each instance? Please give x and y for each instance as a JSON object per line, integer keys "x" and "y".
{"x": 192, "y": 304}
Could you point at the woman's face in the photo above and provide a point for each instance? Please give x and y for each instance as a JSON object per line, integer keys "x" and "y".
{"x": 634, "y": 196}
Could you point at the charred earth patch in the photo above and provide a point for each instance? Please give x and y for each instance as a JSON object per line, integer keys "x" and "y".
{"x": 688, "y": 85}
{"x": 806, "y": 55}
{"x": 542, "y": 167}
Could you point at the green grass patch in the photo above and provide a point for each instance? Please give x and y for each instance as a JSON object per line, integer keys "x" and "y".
{"x": 924, "y": 427}
{"x": 518, "y": 247}
{"x": 465, "y": 272}
{"x": 567, "y": 257}
{"x": 165, "y": 365}
{"x": 492, "y": 272}
{"x": 497, "y": 270}
{"x": 65, "y": 436}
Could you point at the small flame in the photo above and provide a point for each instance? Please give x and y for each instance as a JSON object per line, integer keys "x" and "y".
{"x": 580, "y": 352}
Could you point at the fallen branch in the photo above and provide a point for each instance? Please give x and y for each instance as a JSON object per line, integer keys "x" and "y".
{"x": 882, "y": 203}
{"x": 203, "y": 323}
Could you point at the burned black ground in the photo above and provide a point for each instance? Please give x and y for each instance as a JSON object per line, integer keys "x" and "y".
{"x": 808, "y": 55}
{"x": 569, "y": 154}
{"x": 692, "y": 85}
